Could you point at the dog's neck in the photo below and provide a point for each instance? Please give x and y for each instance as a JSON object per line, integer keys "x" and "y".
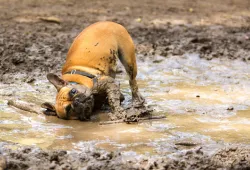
{"x": 83, "y": 80}
{"x": 86, "y": 69}
{"x": 80, "y": 74}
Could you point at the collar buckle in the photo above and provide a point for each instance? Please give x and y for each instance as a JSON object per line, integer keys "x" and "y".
{"x": 72, "y": 71}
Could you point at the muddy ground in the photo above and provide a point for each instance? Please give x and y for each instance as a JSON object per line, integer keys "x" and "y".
{"x": 34, "y": 158}
{"x": 33, "y": 44}
{"x": 33, "y": 47}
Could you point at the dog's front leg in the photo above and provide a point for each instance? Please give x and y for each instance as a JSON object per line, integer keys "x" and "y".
{"x": 107, "y": 84}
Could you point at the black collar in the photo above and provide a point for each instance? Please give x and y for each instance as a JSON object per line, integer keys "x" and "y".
{"x": 83, "y": 73}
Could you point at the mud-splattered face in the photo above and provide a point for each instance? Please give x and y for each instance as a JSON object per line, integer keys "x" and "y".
{"x": 73, "y": 101}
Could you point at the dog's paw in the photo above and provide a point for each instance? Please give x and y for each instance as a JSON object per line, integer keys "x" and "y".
{"x": 139, "y": 101}
{"x": 116, "y": 116}
{"x": 131, "y": 117}
{"x": 135, "y": 113}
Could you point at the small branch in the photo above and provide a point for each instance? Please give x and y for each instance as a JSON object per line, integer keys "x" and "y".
{"x": 139, "y": 119}
{"x": 153, "y": 117}
{"x": 23, "y": 106}
{"x": 50, "y": 19}
{"x": 186, "y": 144}
{"x": 111, "y": 122}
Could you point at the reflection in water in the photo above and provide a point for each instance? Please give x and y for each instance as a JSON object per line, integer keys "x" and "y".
{"x": 206, "y": 103}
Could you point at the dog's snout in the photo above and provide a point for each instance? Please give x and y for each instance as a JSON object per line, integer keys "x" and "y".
{"x": 76, "y": 101}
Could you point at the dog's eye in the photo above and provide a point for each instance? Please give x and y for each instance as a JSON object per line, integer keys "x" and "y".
{"x": 73, "y": 92}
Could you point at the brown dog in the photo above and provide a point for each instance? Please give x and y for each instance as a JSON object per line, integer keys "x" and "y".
{"x": 89, "y": 72}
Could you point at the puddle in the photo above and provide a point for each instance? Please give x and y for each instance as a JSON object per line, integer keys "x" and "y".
{"x": 207, "y": 103}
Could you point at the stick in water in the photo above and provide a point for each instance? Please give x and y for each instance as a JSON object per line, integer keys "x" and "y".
{"x": 186, "y": 144}
{"x": 140, "y": 119}
{"x": 24, "y": 106}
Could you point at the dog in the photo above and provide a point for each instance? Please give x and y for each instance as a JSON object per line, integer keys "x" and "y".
{"x": 88, "y": 75}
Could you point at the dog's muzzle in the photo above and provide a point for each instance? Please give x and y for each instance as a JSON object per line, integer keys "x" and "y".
{"x": 82, "y": 106}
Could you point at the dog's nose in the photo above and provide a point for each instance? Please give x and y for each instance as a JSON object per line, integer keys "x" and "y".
{"x": 76, "y": 101}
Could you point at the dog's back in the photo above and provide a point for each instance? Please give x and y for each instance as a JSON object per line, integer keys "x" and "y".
{"x": 96, "y": 49}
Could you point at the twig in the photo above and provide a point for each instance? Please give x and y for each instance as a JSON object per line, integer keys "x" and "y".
{"x": 50, "y": 19}
{"x": 186, "y": 144}
{"x": 111, "y": 122}
{"x": 139, "y": 119}
{"x": 23, "y": 106}
{"x": 152, "y": 117}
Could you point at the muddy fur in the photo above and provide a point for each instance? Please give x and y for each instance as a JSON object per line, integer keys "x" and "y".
{"x": 83, "y": 106}
{"x": 111, "y": 89}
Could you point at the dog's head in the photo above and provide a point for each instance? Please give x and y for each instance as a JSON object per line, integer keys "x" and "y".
{"x": 73, "y": 101}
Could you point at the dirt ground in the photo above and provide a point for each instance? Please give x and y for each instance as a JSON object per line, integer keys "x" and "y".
{"x": 35, "y": 37}
{"x": 34, "y": 158}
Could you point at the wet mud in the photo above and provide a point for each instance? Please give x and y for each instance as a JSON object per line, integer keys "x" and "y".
{"x": 205, "y": 128}
{"x": 193, "y": 66}
{"x": 34, "y": 158}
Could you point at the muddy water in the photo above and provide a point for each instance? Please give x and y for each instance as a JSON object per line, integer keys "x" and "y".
{"x": 207, "y": 104}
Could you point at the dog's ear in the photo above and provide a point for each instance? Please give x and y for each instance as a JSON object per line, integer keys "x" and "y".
{"x": 50, "y": 109}
{"x": 56, "y": 81}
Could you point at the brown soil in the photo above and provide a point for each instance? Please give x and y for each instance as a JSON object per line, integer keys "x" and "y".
{"x": 34, "y": 158}
{"x": 32, "y": 43}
